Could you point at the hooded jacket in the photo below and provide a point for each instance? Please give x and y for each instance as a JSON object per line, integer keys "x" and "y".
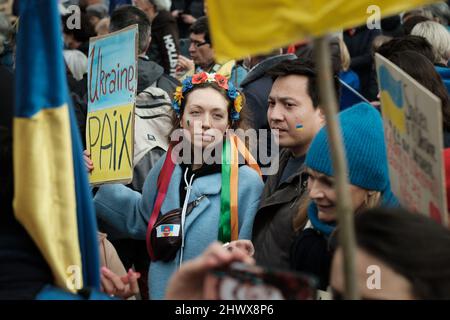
{"x": 165, "y": 47}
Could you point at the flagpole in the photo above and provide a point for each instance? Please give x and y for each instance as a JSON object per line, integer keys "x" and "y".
{"x": 345, "y": 213}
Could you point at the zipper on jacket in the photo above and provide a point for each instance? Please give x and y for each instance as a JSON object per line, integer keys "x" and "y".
{"x": 183, "y": 212}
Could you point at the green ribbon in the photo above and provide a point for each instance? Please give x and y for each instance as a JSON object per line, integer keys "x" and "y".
{"x": 225, "y": 211}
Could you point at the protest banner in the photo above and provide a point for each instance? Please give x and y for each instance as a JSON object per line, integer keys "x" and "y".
{"x": 112, "y": 86}
{"x": 412, "y": 119}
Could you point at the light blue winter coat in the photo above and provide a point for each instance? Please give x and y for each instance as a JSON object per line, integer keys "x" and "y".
{"x": 125, "y": 213}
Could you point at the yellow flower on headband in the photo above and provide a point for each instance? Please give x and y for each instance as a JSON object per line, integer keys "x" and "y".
{"x": 178, "y": 95}
{"x": 238, "y": 103}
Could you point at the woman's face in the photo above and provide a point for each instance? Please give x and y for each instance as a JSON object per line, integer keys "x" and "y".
{"x": 205, "y": 117}
{"x": 322, "y": 193}
{"x": 375, "y": 279}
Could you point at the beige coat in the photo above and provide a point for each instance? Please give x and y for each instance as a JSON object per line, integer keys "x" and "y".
{"x": 109, "y": 257}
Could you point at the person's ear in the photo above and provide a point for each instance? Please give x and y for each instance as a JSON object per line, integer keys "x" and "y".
{"x": 371, "y": 193}
{"x": 321, "y": 114}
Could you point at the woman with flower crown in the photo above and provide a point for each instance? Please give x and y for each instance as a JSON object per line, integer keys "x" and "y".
{"x": 187, "y": 203}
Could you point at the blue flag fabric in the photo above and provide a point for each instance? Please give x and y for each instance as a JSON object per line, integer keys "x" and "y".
{"x": 52, "y": 195}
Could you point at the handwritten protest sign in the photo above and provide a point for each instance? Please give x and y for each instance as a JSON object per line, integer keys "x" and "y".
{"x": 112, "y": 85}
{"x": 412, "y": 118}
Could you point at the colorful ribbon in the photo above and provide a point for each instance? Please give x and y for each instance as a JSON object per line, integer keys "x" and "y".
{"x": 225, "y": 205}
{"x": 229, "y": 219}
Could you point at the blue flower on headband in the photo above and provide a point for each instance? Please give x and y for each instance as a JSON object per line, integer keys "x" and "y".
{"x": 234, "y": 115}
{"x": 232, "y": 92}
{"x": 187, "y": 84}
{"x": 176, "y": 107}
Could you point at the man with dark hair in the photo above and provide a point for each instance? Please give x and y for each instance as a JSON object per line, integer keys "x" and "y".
{"x": 409, "y": 42}
{"x": 202, "y": 54}
{"x": 75, "y": 38}
{"x": 295, "y": 112}
{"x": 201, "y": 27}
{"x": 149, "y": 72}
{"x": 256, "y": 88}
{"x": 164, "y": 47}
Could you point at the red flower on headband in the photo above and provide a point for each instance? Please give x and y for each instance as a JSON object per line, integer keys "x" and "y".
{"x": 221, "y": 81}
{"x": 199, "y": 78}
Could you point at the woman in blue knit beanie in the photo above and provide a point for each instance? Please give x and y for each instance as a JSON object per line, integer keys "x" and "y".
{"x": 363, "y": 137}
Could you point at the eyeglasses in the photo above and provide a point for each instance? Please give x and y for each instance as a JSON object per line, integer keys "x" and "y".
{"x": 198, "y": 44}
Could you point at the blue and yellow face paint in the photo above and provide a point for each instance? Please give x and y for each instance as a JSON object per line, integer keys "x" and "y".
{"x": 298, "y": 127}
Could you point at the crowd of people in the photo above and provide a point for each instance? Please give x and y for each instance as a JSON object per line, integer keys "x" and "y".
{"x": 221, "y": 211}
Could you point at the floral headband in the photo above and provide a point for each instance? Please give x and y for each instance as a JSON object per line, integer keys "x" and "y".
{"x": 204, "y": 77}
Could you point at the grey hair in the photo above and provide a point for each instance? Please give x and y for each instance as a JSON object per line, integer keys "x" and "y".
{"x": 161, "y": 4}
{"x": 439, "y": 10}
{"x": 437, "y": 35}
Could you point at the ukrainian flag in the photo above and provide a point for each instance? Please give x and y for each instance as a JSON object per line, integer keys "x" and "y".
{"x": 51, "y": 197}
{"x": 247, "y": 27}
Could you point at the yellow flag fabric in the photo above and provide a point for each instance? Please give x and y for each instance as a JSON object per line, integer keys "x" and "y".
{"x": 246, "y": 27}
{"x": 44, "y": 199}
{"x": 52, "y": 198}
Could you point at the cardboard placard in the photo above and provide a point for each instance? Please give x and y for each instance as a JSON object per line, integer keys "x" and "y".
{"x": 412, "y": 119}
{"x": 112, "y": 87}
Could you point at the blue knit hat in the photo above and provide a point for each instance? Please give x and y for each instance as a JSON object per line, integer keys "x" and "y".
{"x": 363, "y": 135}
